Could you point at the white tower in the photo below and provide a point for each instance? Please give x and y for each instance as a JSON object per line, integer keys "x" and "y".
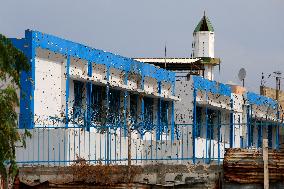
{"x": 203, "y": 44}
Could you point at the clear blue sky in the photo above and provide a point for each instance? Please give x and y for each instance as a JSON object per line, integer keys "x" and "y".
{"x": 248, "y": 33}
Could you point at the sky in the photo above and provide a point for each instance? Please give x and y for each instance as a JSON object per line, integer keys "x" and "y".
{"x": 248, "y": 34}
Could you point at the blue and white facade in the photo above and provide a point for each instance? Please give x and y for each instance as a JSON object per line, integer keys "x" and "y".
{"x": 215, "y": 116}
{"x": 73, "y": 86}
{"x": 66, "y": 77}
{"x": 80, "y": 102}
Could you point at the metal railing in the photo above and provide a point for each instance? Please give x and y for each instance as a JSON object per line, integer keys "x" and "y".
{"x": 108, "y": 144}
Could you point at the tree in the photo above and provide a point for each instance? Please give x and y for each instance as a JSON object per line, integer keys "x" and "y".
{"x": 12, "y": 63}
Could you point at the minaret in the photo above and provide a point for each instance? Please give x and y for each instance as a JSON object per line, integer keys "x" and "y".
{"x": 203, "y": 44}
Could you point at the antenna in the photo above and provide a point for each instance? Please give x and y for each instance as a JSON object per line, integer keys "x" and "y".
{"x": 166, "y": 55}
{"x": 242, "y": 75}
{"x": 262, "y": 81}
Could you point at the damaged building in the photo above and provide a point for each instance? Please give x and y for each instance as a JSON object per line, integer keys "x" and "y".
{"x": 79, "y": 102}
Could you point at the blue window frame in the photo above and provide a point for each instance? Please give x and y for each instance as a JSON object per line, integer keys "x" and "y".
{"x": 211, "y": 117}
{"x": 251, "y": 133}
{"x": 133, "y": 108}
{"x": 98, "y": 109}
{"x": 259, "y": 133}
{"x": 78, "y": 99}
{"x": 164, "y": 113}
{"x": 114, "y": 116}
{"x": 242, "y": 142}
{"x": 198, "y": 121}
{"x": 148, "y": 111}
{"x": 269, "y": 130}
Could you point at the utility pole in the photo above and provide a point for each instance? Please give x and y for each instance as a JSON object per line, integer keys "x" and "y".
{"x": 265, "y": 140}
{"x": 265, "y": 154}
{"x": 129, "y": 148}
{"x": 165, "y": 55}
{"x": 265, "y": 163}
{"x": 278, "y": 79}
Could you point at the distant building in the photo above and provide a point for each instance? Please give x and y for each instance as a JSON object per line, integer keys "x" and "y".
{"x": 271, "y": 93}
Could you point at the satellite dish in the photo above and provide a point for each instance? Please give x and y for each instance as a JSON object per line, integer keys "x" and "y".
{"x": 242, "y": 75}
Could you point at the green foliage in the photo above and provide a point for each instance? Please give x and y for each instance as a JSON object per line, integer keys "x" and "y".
{"x": 12, "y": 62}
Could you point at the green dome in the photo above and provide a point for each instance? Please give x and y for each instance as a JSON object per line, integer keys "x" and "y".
{"x": 204, "y": 25}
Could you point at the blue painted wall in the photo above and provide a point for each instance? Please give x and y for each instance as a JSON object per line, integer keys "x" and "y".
{"x": 36, "y": 39}
{"x": 260, "y": 100}
{"x": 201, "y": 83}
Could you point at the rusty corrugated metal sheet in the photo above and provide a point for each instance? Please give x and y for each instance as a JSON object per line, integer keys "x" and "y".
{"x": 246, "y": 165}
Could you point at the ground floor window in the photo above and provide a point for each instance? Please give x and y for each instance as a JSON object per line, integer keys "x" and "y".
{"x": 114, "y": 115}
{"x": 210, "y": 126}
{"x": 269, "y": 134}
{"x": 134, "y": 108}
{"x": 198, "y": 121}
{"x": 251, "y": 131}
{"x": 78, "y": 99}
{"x": 148, "y": 111}
{"x": 259, "y": 133}
{"x": 164, "y": 113}
{"x": 98, "y": 104}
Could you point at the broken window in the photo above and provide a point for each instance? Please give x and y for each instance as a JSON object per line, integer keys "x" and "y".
{"x": 148, "y": 111}
{"x": 198, "y": 121}
{"x": 114, "y": 107}
{"x": 78, "y": 99}
{"x": 133, "y": 108}
{"x": 98, "y": 102}
{"x": 164, "y": 113}
{"x": 269, "y": 133}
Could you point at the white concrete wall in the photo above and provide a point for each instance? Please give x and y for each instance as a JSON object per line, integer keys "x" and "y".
{"x": 186, "y": 150}
{"x": 78, "y": 68}
{"x": 214, "y": 100}
{"x": 209, "y": 72}
{"x": 264, "y": 112}
{"x": 212, "y": 148}
{"x": 204, "y": 47}
{"x": 59, "y": 147}
{"x": 237, "y": 132}
{"x": 45, "y": 147}
{"x": 166, "y": 90}
{"x": 98, "y": 72}
{"x": 225, "y": 128}
{"x": 116, "y": 77}
{"x": 184, "y": 108}
{"x": 238, "y": 102}
{"x": 150, "y": 85}
{"x": 218, "y": 101}
{"x": 134, "y": 81}
{"x": 204, "y": 44}
{"x": 184, "y": 113}
{"x": 50, "y": 86}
